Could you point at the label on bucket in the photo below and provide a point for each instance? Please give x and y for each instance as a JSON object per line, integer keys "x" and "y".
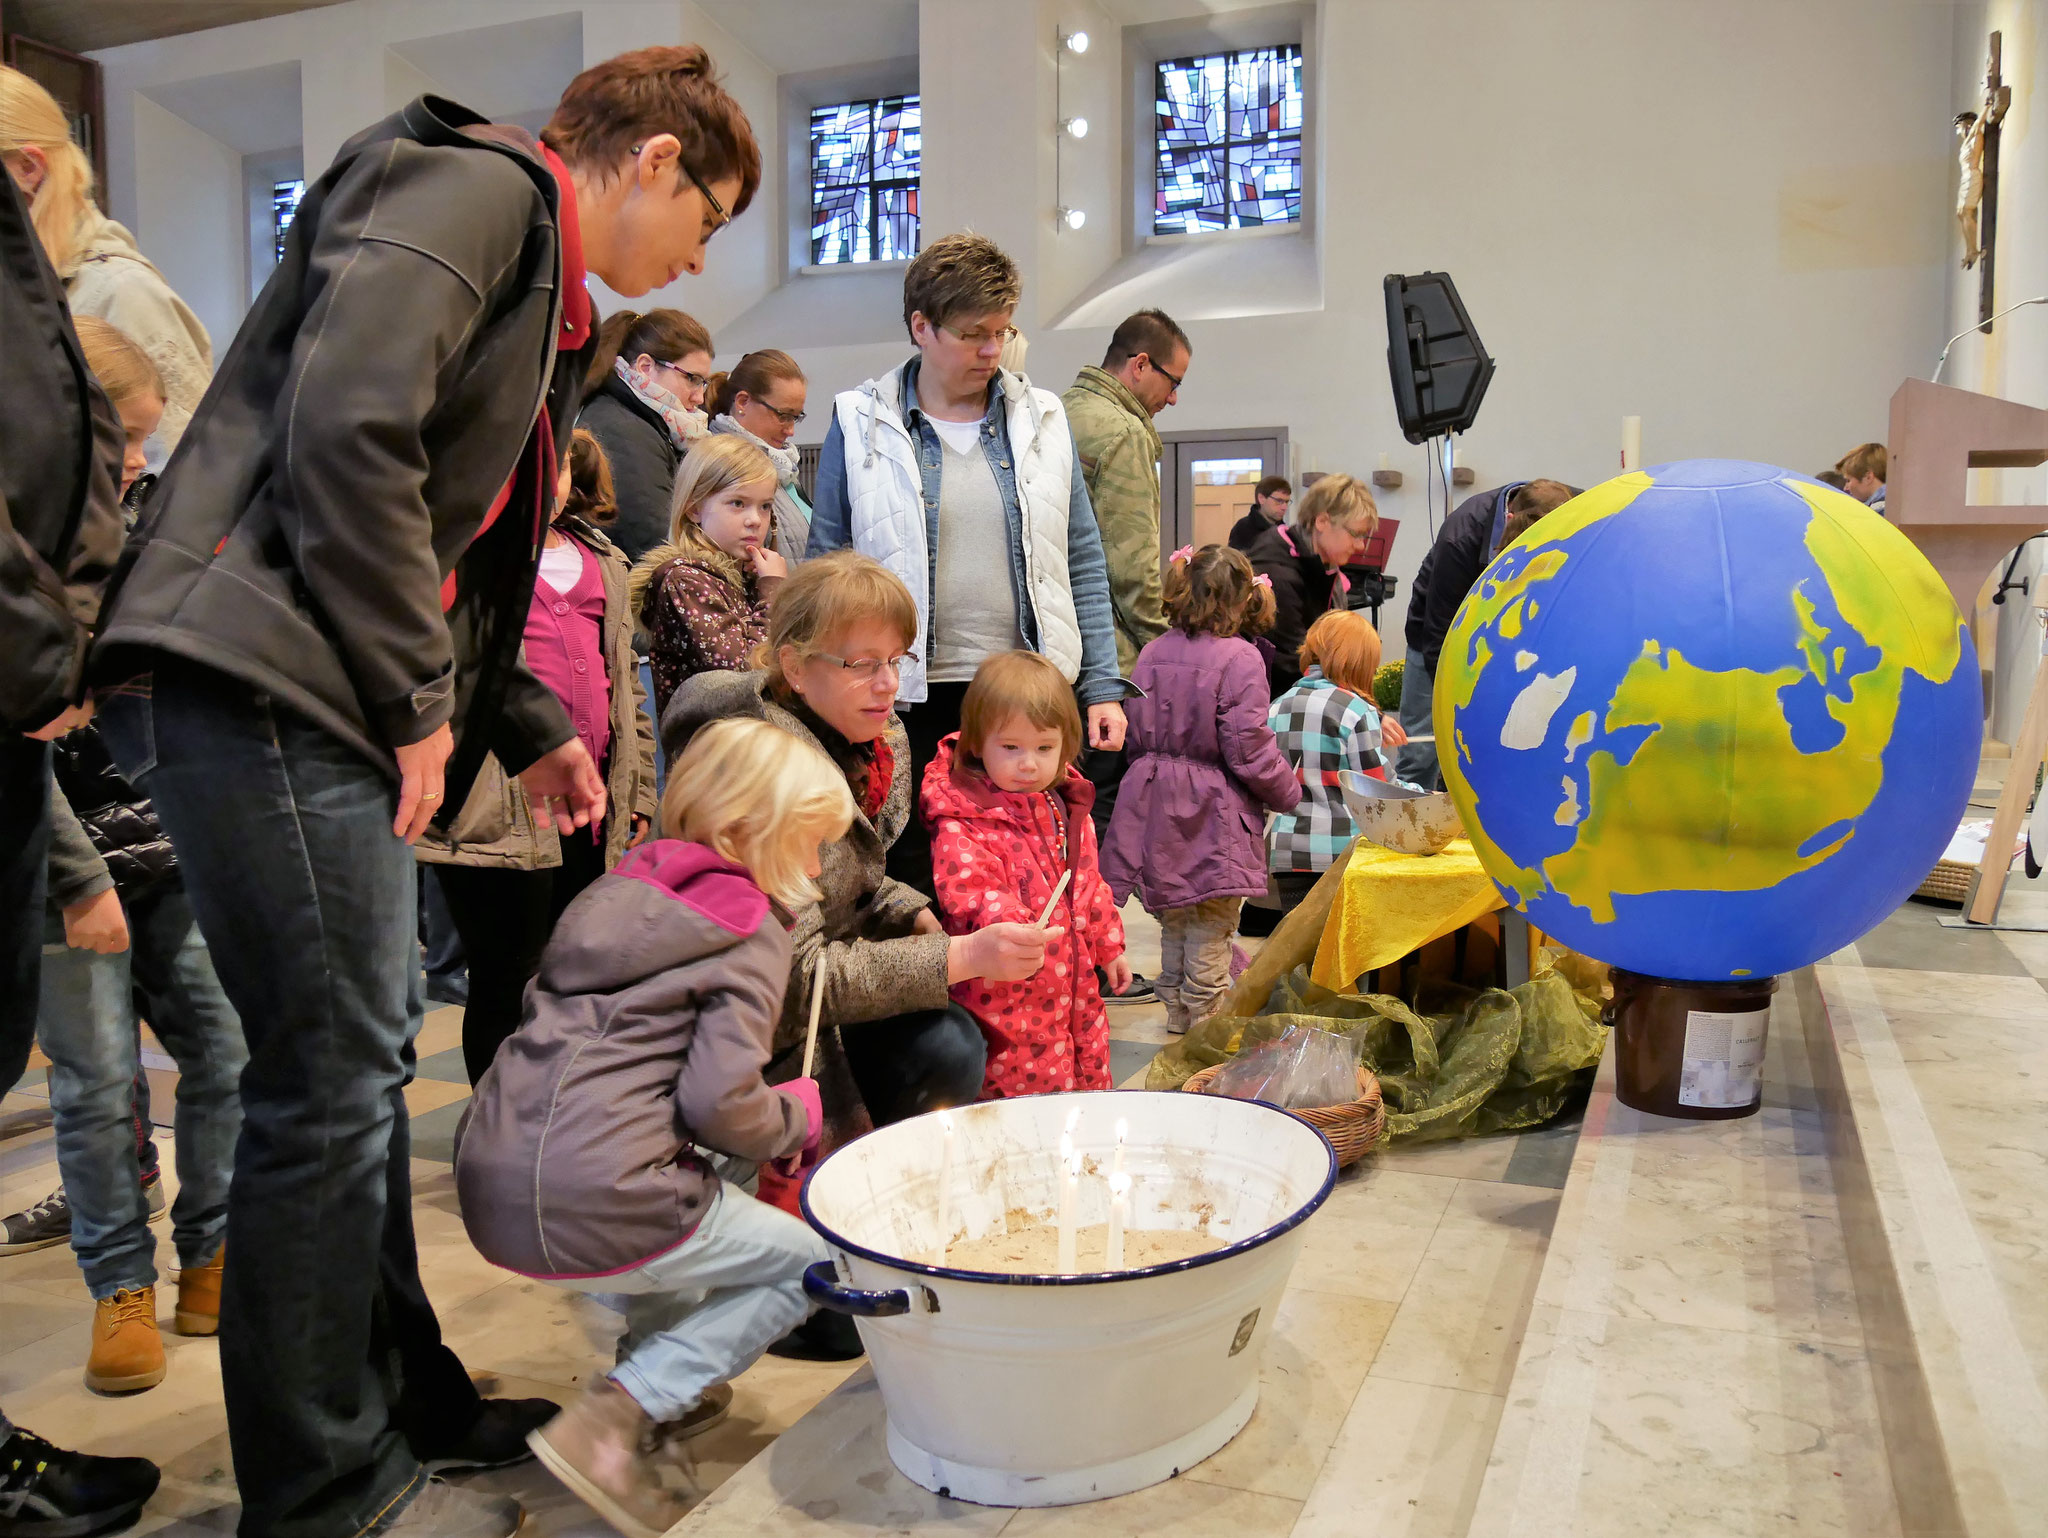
{"x": 1724, "y": 1059}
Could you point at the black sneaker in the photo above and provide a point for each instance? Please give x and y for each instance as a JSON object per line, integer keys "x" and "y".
{"x": 824, "y": 1337}
{"x": 496, "y": 1439}
{"x": 1141, "y": 990}
{"x": 153, "y": 1194}
{"x": 46, "y": 1492}
{"x": 48, "y": 1222}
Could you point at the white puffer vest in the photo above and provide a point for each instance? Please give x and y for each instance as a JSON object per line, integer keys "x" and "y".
{"x": 885, "y": 490}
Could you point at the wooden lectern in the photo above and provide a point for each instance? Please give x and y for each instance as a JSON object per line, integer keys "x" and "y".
{"x": 1938, "y": 435}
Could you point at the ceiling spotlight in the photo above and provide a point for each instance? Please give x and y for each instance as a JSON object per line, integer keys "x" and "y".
{"x": 1073, "y": 218}
{"x": 1075, "y": 42}
{"x": 1076, "y": 127}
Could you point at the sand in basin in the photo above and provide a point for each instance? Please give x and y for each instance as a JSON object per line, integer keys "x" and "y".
{"x": 1034, "y": 1248}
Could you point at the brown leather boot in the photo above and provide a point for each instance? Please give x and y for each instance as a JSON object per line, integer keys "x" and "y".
{"x": 127, "y": 1352}
{"x": 199, "y": 1297}
{"x": 593, "y": 1447}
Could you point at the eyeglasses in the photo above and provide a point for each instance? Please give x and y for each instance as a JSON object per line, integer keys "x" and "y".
{"x": 697, "y": 381}
{"x": 710, "y": 198}
{"x": 980, "y": 339}
{"x": 786, "y": 418}
{"x": 1172, "y": 379}
{"x": 867, "y": 669}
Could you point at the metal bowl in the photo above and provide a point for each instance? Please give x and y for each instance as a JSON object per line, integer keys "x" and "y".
{"x": 1399, "y": 818}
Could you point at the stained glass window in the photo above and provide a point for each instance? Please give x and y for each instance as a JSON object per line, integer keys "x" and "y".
{"x": 284, "y": 205}
{"x": 1228, "y": 130}
{"x": 865, "y": 157}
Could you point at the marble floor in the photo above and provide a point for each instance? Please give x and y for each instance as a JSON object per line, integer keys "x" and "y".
{"x": 1400, "y": 1328}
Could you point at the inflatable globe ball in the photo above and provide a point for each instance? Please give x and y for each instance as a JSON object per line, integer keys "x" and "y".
{"x": 1709, "y": 721}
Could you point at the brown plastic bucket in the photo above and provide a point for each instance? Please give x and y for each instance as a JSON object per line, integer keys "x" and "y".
{"x": 1690, "y": 1050}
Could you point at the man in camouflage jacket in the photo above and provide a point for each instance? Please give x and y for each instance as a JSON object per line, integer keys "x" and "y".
{"x": 1110, "y": 410}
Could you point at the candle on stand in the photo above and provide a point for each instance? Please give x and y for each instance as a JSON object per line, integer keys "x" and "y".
{"x": 945, "y": 1184}
{"x": 1070, "y": 1181}
{"x": 1119, "y": 1213}
{"x": 1631, "y": 443}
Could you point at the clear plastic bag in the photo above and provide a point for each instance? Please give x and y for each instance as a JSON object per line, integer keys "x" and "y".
{"x": 1300, "y": 1068}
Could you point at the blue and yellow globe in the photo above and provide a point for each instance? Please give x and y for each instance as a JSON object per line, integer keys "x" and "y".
{"x": 1709, "y": 721}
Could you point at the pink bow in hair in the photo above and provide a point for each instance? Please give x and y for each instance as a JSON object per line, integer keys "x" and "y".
{"x": 1184, "y": 553}
{"x": 1264, "y": 581}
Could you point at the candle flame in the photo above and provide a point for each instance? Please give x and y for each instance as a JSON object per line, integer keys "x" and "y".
{"x": 1123, "y": 1129}
{"x": 1066, "y": 1146}
{"x": 1073, "y": 1119}
{"x": 1119, "y": 1185}
{"x": 946, "y": 1122}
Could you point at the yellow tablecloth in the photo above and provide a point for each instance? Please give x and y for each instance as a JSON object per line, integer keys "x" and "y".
{"x": 1394, "y": 903}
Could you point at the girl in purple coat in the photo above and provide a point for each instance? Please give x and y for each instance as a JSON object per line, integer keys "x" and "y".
{"x": 1188, "y": 833}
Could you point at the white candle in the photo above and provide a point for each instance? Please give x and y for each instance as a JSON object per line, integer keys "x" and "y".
{"x": 1631, "y": 443}
{"x": 1070, "y": 1180}
{"x": 1386, "y": 460}
{"x": 1116, "y": 1163}
{"x": 1119, "y": 1206}
{"x": 945, "y": 1184}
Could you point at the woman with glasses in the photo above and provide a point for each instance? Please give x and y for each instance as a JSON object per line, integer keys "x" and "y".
{"x": 891, "y": 1044}
{"x": 762, "y": 400}
{"x": 963, "y": 480}
{"x": 644, "y": 401}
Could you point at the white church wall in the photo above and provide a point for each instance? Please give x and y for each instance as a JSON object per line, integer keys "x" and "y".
{"x": 1726, "y": 216}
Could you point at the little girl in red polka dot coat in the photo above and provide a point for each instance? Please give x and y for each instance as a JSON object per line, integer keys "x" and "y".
{"x": 1008, "y": 814}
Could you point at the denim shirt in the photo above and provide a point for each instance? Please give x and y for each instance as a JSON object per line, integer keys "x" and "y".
{"x": 1087, "y": 572}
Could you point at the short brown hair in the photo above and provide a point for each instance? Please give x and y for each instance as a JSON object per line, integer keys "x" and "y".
{"x": 1152, "y": 332}
{"x": 667, "y": 336}
{"x": 1213, "y": 592}
{"x": 590, "y": 480}
{"x": 1865, "y": 459}
{"x": 1539, "y": 497}
{"x": 613, "y": 106}
{"x": 756, "y": 374}
{"x": 1342, "y": 498}
{"x": 1346, "y": 647}
{"x": 822, "y": 597}
{"x": 960, "y": 275}
{"x": 1019, "y": 683}
{"x": 1272, "y": 486}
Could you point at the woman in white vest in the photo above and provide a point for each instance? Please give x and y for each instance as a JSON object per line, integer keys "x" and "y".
{"x": 961, "y": 479}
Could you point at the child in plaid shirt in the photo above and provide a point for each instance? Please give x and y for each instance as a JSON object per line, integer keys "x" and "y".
{"x": 1326, "y": 725}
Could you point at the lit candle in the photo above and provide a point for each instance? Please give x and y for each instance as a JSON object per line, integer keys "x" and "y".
{"x": 1631, "y": 443}
{"x": 1116, "y": 1163}
{"x": 945, "y": 1184}
{"x": 1119, "y": 1204}
{"x": 1070, "y": 1180}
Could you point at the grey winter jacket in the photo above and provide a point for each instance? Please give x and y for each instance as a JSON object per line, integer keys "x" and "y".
{"x": 646, "y": 1031}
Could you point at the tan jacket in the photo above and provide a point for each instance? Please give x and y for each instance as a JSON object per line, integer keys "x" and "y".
{"x": 496, "y": 826}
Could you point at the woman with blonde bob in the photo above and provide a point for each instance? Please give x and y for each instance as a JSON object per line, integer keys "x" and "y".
{"x": 645, "y": 1037}
{"x": 892, "y": 1044}
{"x": 1328, "y": 529}
{"x": 703, "y": 597}
{"x": 103, "y": 273}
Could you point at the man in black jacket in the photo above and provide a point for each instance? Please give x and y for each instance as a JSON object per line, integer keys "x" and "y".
{"x": 1468, "y": 541}
{"x": 60, "y": 526}
{"x": 313, "y": 643}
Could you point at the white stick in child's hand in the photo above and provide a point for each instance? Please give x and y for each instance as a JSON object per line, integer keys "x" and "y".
{"x": 817, "y": 1003}
{"x": 1046, "y": 917}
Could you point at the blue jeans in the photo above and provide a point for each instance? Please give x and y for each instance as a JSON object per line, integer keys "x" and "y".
{"x": 703, "y": 1312}
{"x": 1415, "y": 762}
{"x": 331, "y": 1358}
{"x": 88, "y": 1028}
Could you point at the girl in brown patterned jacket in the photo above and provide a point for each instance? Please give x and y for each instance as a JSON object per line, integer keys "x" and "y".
{"x": 703, "y": 597}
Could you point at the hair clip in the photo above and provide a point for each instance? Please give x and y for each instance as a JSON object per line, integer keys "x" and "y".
{"x": 1184, "y": 553}
{"x": 1262, "y": 580}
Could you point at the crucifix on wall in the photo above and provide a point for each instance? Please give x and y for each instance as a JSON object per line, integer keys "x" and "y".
{"x": 1977, "y": 135}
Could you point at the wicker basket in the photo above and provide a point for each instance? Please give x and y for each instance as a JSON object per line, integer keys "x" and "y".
{"x": 1354, "y": 1130}
{"x": 1948, "y": 882}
